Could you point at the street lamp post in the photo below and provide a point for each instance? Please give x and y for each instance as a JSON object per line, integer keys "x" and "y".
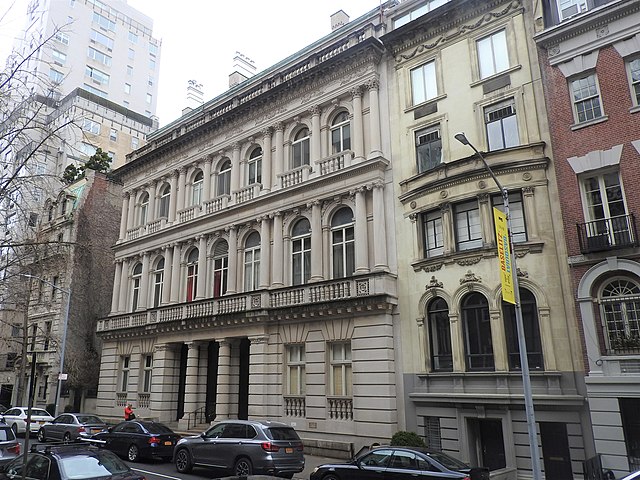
{"x": 522, "y": 344}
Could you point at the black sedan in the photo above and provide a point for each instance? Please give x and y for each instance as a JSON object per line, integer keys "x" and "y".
{"x": 400, "y": 463}
{"x": 135, "y": 439}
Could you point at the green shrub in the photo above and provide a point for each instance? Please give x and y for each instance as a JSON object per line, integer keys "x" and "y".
{"x": 407, "y": 439}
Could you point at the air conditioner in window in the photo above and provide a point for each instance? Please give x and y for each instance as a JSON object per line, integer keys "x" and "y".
{"x": 573, "y": 9}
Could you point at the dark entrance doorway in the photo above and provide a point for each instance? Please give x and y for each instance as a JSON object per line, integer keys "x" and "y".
{"x": 243, "y": 379}
{"x": 182, "y": 379}
{"x": 555, "y": 451}
{"x": 487, "y": 434}
{"x": 6, "y": 391}
{"x": 213, "y": 349}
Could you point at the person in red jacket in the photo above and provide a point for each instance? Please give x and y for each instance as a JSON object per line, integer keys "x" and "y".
{"x": 128, "y": 412}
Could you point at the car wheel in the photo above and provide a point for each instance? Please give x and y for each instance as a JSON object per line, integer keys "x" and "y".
{"x": 183, "y": 461}
{"x": 41, "y": 436}
{"x": 331, "y": 476}
{"x": 133, "y": 453}
{"x": 66, "y": 438}
{"x": 243, "y": 467}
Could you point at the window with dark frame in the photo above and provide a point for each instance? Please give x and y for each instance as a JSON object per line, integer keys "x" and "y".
{"x": 468, "y": 228}
{"x": 439, "y": 335}
{"x": 502, "y": 125}
{"x": 533, "y": 341}
{"x": 634, "y": 72}
{"x": 516, "y": 212}
{"x": 428, "y": 148}
{"x": 477, "y": 333}
{"x": 433, "y": 239}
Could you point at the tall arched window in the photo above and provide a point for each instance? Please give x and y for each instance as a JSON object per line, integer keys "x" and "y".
{"x": 620, "y": 310}
{"x": 477, "y": 332}
{"x": 439, "y": 335}
{"x": 158, "y": 279}
{"x": 144, "y": 208}
{"x": 300, "y": 148}
{"x": 340, "y": 133}
{"x": 220, "y": 268}
{"x": 136, "y": 279}
{"x": 192, "y": 275}
{"x": 343, "y": 243}
{"x": 196, "y": 188}
{"x": 255, "y": 166}
{"x": 531, "y": 332}
{"x": 224, "y": 179}
{"x": 301, "y": 252}
{"x": 165, "y": 196}
{"x": 252, "y": 262}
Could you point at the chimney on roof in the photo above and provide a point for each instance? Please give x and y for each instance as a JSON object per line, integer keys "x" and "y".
{"x": 339, "y": 19}
{"x": 194, "y": 96}
{"x": 243, "y": 68}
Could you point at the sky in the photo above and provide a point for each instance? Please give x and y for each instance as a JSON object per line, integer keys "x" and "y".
{"x": 201, "y": 37}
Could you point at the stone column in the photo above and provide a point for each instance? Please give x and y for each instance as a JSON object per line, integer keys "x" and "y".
{"x": 326, "y": 251}
{"x": 361, "y": 236}
{"x": 232, "y": 283}
{"x": 316, "y": 242}
{"x": 415, "y": 226}
{"x": 201, "y": 287}
{"x": 151, "y": 209}
{"x": 131, "y": 219}
{"x": 173, "y": 199}
{"x": 115, "y": 295}
{"x": 191, "y": 382}
{"x": 265, "y": 252}
{"x": 162, "y": 382}
{"x": 168, "y": 272}
{"x": 457, "y": 343}
{"x": 266, "y": 160}
{"x": 358, "y": 130}
{"x": 315, "y": 135}
{"x": 206, "y": 181}
{"x": 423, "y": 350}
{"x": 374, "y": 119}
{"x": 175, "y": 274}
{"x": 144, "y": 282}
{"x": 125, "y": 216}
{"x": 224, "y": 380}
{"x": 259, "y": 374}
{"x": 182, "y": 187}
{"x": 279, "y": 163}
{"x": 379, "y": 229}
{"x": 235, "y": 168}
{"x": 486, "y": 219}
{"x": 448, "y": 228}
{"x": 124, "y": 286}
{"x": 278, "y": 251}
{"x": 530, "y": 217}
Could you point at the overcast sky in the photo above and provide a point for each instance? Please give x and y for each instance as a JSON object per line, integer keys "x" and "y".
{"x": 200, "y": 37}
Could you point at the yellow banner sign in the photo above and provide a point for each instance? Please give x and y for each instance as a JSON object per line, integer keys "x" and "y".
{"x": 504, "y": 255}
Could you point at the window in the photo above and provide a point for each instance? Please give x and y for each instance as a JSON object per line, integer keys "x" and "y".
{"x": 150, "y": 81}
{"x": 87, "y": 149}
{"x": 516, "y": 211}
{"x": 300, "y": 148}
{"x": 127, "y": 88}
{"x": 97, "y": 75}
{"x": 439, "y": 336}
{"x": 634, "y": 73}
{"x": 136, "y": 280}
{"x": 144, "y": 208}
{"x": 423, "y": 83}
{"x": 340, "y": 133}
{"x": 255, "y": 166}
{"x": 502, "y": 125}
{"x": 133, "y": 38}
{"x": 102, "y": 39}
{"x": 220, "y": 268}
{"x": 112, "y": 156}
{"x": 418, "y": 12}
{"x": 477, "y": 332}
{"x": 104, "y": 22}
{"x": 158, "y": 280}
{"x": 129, "y": 70}
{"x": 340, "y": 355}
{"x": 90, "y": 126}
{"x": 62, "y": 37}
{"x": 131, "y": 54}
{"x": 124, "y": 373}
{"x": 165, "y": 196}
{"x": 428, "y": 148}
{"x": 113, "y": 134}
{"x": 11, "y": 360}
{"x": 568, "y": 8}
{"x": 224, "y": 178}
{"x": 493, "y": 56}
{"x": 47, "y": 335}
{"x": 301, "y": 252}
{"x": 343, "y": 243}
{"x": 468, "y": 230}
{"x": 432, "y": 434}
{"x": 55, "y": 76}
{"x": 606, "y": 210}
{"x": 586, "y": 98}
{"x": 95, "y": 91}
{"x": 196, "y": 188}
{"x": 252, "y": 262}
{"x": 59, "y": 57}
{"x": 152, "y": 64}
{"x": 432, "y": 233}
{"x": 531, "y": 332}
{"x": 620, "y": 310}
{"x": 99, "y": 56}
{"x": 147, "y": 373}
{"x": 192, "y": 275}
{"x": 153, "y": 49}
{"x": 295, "y": 370}
{"x": 149, "y": 98}
{"x": 134, "y": 142}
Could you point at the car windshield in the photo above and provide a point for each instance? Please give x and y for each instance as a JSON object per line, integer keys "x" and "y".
{"x": 447, "y": 461}
{"x": 282, "y": 433}
{"x": 38, "y": 412}
{"x": 81, "y": 466}
{"x": 89, "y": 419}
{"x": 157, "y": 428}
{"x": 6, "y": 434}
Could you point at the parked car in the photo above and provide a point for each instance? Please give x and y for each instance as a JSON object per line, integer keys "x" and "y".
{"x": 9, "y": 445}
{"x": 71, "y": 426}
{"x": 16, "y": 418}
{"x": 632, "y": 476}
{"x": 67, "y": 462}
{"x": 400, "y": 463}
{"x": 135, "y": 439}
{"x": 243, "y": 447}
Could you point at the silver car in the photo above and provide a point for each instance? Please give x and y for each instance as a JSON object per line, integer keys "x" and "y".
{"x": 71, "y": 426}
{"x": 9, "y": 445}
{"x": 243, "y": 447}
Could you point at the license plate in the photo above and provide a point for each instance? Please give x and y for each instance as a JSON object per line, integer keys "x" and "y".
{"x": 168, "y": 443}
{"x": 288, "y": 450}
{"x": 41, "y": 423}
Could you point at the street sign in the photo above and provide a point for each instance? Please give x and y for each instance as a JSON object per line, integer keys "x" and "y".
{"x": 62, "y": 376}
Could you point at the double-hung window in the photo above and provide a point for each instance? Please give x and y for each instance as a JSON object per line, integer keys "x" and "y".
{"x": 136, "y": 280}
{"x": 255, "y": 166}
{"x": 196, "y": 188}
{"x": 158, "y": 280}
{"x": 124, "y": 373}
{"x": 432, "y": 233}
{"x": 165, "y": 197}
{"x": 493, "y": 56}
{"x": 300, "y": 147}
{"x": 192, "y": 275}
{"x": 634, "y": 74}
{"x": 90, "y": 126}
{"x": 516, "y": 212}
{"x": 252, "y": 262}
{"x": 295, "y": 370}
{"x": 468, "y": 228}
{"x": 144, "y": 209}
{"x": 340, "y": 133}
{"x": 502, "y": 125}
{"x": 428, "y": 148}
{"x": 301, "y": 252}
{"x": 423, "y": 83}
{"x": 340, "y": 373}
{"x": 224, "y": 179}
{"x": 586, "y": 98}
{"x": 147, "y": 373}
{"x": 220, "y": 268}
{"x": 568, "y": 8}
{"x": 343, "y": 243}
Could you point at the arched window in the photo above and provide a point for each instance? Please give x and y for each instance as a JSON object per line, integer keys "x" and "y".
{"x": 300, "y": 148}
{"x": 255, "y": 166}
{"x": 340, "y": 133}
{"x": 533, "y": 342}
{"x": 165, "y": 196}
{"x": 220, "y": 268}
{"x": 343, "y": 243}
{"x": 224, "y": 178}
{"x": 63, "y": 206}
{"x": 252, "y": 262}
{"x": 439, "y": 335}
{"x": 620, "y": 310}
{"x": 136, "y": 279}
{"x": 192, "y": 275}
{"x": 144, "y": 208}
{"x": 301, "y": 252}
{"x": 477, "y": 332}
{"x": 196, "y": 188}
{"x": 158, "y": 279}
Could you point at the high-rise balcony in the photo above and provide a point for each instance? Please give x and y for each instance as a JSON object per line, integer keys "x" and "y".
{"x": 607, "y": 234}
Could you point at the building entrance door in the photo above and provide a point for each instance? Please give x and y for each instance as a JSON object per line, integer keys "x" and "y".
{"x": 555, "y": 451}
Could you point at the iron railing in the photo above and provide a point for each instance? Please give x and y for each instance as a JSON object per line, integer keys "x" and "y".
{"x": 607, "y": 234}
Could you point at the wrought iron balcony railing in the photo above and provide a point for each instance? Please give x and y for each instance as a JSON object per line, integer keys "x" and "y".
{"x": 607, "y": 234}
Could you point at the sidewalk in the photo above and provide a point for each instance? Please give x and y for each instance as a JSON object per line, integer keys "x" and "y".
{"x": 311, "y": 462}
